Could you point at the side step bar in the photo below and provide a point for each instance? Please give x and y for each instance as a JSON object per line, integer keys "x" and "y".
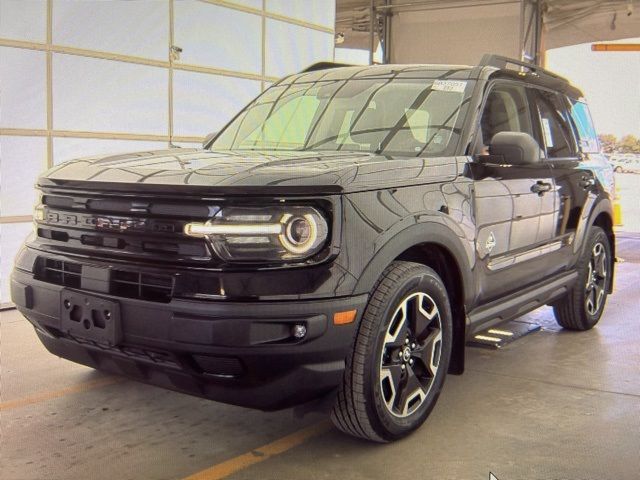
{"x": 513, "y": 306}
{"x": 498, "y": 337}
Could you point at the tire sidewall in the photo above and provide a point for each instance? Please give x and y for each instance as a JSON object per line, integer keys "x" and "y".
{"x": 391, "y": 427}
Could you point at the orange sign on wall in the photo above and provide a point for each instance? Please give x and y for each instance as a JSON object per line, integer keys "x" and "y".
{"x": 615, "y": 47}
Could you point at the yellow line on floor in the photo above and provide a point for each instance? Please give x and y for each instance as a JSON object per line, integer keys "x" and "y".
{"x": 233, "y": 465}
{"x": 44, "y": 396}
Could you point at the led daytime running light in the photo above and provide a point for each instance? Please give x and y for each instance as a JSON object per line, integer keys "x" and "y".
{"x": 203, "y": 229}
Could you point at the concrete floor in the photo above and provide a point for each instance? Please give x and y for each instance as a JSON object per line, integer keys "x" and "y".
{"x": 552, "y": 405}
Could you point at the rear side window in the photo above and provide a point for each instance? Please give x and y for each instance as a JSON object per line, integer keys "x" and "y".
{"x": 554, "y": 126}
{"x": 587, "y": 134}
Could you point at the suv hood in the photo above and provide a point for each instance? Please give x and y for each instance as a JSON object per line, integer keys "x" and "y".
{"x": 245, "y": 172}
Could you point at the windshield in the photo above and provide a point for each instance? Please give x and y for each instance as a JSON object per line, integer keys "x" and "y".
{"x": 389, "y": 116}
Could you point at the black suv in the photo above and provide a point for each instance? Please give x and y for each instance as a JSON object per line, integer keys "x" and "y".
{"x": 346, "y": 232}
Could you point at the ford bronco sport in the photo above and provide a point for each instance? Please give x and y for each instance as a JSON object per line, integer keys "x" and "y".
{"x": 346, "y": 232}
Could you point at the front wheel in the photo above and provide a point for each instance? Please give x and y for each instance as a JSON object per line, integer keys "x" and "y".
{"x": 582, "y": 308}
{"x": 398, "y": 364}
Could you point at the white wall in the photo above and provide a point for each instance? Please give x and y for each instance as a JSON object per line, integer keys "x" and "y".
{"x": 455, "y": 35}
{"x": 98, "y": 79}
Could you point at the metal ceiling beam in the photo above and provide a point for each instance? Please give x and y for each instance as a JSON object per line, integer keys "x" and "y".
{"x": 531, "y": 31}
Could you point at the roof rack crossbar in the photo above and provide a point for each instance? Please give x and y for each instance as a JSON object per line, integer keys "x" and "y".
{"x": 498, "y": 61}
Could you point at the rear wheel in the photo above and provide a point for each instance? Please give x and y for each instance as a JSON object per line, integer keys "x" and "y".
{"x": 396, "y": 370}
{"x": 582, "y": 308}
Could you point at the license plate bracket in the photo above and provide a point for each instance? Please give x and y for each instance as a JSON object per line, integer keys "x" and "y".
{"x": 90, "y": 317}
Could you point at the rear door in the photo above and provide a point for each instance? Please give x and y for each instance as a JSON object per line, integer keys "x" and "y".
{"x": 575, "y": 183}
{"x": 508, "y": 207}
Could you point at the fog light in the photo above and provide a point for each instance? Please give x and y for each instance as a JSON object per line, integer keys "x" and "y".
{"x": 299, "y": 331}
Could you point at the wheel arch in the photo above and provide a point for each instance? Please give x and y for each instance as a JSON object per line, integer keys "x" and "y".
{"x": 439, "y": 248}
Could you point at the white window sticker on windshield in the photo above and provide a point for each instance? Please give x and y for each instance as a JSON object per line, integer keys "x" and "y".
{"x": 456, "y": 86}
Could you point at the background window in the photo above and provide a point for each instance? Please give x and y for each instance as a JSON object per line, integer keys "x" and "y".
{"x": 584, "y": 126}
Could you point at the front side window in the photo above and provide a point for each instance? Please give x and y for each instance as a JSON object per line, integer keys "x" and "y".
{"x": 398, "y": 117}
{"x": 506, "y": 109}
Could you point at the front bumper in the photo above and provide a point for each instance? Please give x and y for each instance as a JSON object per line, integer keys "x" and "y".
{"x": 242, "y": 353}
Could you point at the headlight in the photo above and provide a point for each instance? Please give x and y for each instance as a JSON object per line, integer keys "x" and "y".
{"x": 264, "y": 234}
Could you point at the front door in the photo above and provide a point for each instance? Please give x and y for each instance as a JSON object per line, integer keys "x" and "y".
{"x": 513, "y": 204}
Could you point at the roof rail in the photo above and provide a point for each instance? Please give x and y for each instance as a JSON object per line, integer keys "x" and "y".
{"x": 498, "y": 61}
{"x": 324, "y": 66}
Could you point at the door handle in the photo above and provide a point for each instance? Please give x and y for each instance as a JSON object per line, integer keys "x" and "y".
{"x": 540, "y": 187}
{"x": 587, "y": 182}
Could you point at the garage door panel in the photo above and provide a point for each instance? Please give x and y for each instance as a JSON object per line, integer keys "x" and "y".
{"x": 218, "y": 37}
{"x": 17, "y": 195}
{"x": 23, "y": 104}
{"x": 290, "y": 48}
{"x": 139, "y": 28}
{"x": 23, "y": 20}
{"x": 101, "y": 95}
{"x": 319, "y": 12}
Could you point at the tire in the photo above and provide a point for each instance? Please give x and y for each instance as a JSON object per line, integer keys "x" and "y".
{"x": 582, "y": 307}
{"x": 379, "y": 398}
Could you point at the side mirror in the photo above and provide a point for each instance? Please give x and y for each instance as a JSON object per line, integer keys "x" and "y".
{"x": 207, "y": 140}
{"x": 516, "y": 148}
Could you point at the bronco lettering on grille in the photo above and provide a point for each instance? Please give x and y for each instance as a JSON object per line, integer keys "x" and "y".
{"x": 111, "y": 224}
{"x": 120, "y": 224}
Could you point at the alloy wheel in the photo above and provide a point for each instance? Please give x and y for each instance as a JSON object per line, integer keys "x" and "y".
{"x": 596, "y": 284}
{"x": 410, "y": 354}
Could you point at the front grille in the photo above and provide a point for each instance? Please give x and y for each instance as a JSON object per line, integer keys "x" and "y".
{"x": 146, "y": 229}
{"x": 122, "y": 283}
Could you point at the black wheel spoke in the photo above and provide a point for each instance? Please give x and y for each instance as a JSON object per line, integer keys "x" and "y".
{"x": 422, "y": 314}
{"x": 411, "y": 393}
{"x": 391, "y": 377}
{"x": 399, "y": 329}
{"x": 427, "y": 353}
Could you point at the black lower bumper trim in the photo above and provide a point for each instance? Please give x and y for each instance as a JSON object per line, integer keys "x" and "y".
{"x": 238, "y": 353}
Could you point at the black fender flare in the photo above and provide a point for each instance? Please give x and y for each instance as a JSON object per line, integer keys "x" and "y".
{"x": 601, "y": 205}
{"x": 428, "y": 232}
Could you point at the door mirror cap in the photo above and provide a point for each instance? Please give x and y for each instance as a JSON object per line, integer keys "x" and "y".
{"x": 208, "y": 139}
{"x": 516, "y": 148}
